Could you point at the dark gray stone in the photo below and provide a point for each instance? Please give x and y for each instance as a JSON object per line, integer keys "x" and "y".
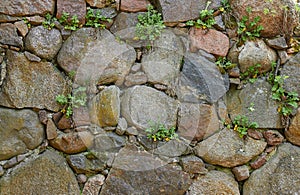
{"x": 292, "y": 69}
{"x": 9, "y": 35}
{"x": 277, "y": 43}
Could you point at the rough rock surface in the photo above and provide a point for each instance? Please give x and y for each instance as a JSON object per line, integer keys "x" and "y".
{"x": 138, "y": 172}
{"x": 93, "y": 185}
{"x": 43, "y": 42}
{"x": 22, "y": 87}
{"x": 256, "y": 52}
{"x": 227, "y": 149}
{"x": 214, "y": 182}
{"x": 27, "y": 7}
{"x": 73, "y": 7}
{"x": 207, "y": 39}
{"x": 134, "y": 5}
{"x": 200, "y": 80}
{"x": 9, "y": 35}
{"x": 279, "y": 21}
{"x": 293, "y": 132}
{"x": 99, "y": 3}
{"x": 280, "y": 175}
{"x": 259, "y": 95}
{"x": 141, "y": 104}
{"x": 47, "y": 174}
{"x": 19, "y": 130}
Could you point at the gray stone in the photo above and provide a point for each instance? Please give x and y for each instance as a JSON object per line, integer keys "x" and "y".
{"x": 99, "y": 3}
{"x": 105, "y": 107}
{"x": 20, "y": 130}
{"x": 22, "y": 27}
{"x": 1, "y": 171}
{"x": 27, "y": 7}
{"x": 283, "y": 56}
{"x": 162, "y": 64}
{"x": 200, "y": 80}
{"x": 193, "y": 164}
{"x": 214, "y": 182}
{"x": 292, "y": 69}
{"x": 6, "y": 18}
{"x": 93, "y": 59}
{"x": 31, "y": 57}
{"x": 9, "y": 35}
{"x": 22, "y": 87}
{"x": 122, "y": 126}
{"x": 227, "y": 149}
{"x": 293, "y": 132}
{"x": 43, "y": 42}
{"x": 241, "y": 173}
{"x": 132, "y": 131}
{"x": 93, "y": 185}
{"x": 139, "y": 172}
{"x": 280, "y": 175}
{"x": 108, "y": 12}
{"x": 259, "y": 95}
{"x": 256, "y": 52}
{"x": 56, "y": 177}
{"x": 138, "y": 78}
{"x": 277, "y": 43}
{"x": 142, "y": 104}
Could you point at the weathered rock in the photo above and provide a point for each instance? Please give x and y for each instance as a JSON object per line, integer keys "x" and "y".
{"x": 31, "y": 57}
{"x": 22, "y": 87}
{"x": 292, "y": 69}
{"x": 138, "y": 78}
{"x": 256, "y": 52}
{"x": 105, "y": 109}
{"x": 20, "y": 130}
{"x": 132, "y": 131}
{"x": 259, "y": 95}
{"x": 141, "y": 104}
{"x": 214, "y": 182}
{"x": 241, "y": 173}
{"x": 280, "y": 20}
{"x": 180, "y": 11}
{"x": 43, "y": 42}
{"x": 93, "y": 185}
{"x": 93, "y": 58}
{"x": 108, "y": 12}
{"x": 9, "y": 35}
{"x": 138, "y": 172}
{"x": 200, "y": 80}
{"x": 227, "y": 149}
{"x": 255, "y": 134}
{"x": 273, "y": 138}
{"x": 293, "y": 132}
{"x": 22, "y": 27}
{"x": 81, "y": 178}
{"x": 162, "y": 65}
{"x": 134, "y": 5}
{"x": 277, "y": 43}
{"x": 99, "y": 3}
{"x": 56, "y": 177}
{"x": 283, "y": 56}
{"x": 27, "y": 7}
{"x": 6, "y": 18}
{"x": 72, "y": 143}
{"x": 211, "y": 40}
{"x": 83, "y": 163}
{"x": 1, "y": 171}
{"x": 14, "y": 161}
{"x": 122, "y": 126}
{"x": 193, "y": 164}
{"x": 278, "y": 175}
{"x": 259, "y": 162}
{"x": 73, "y": 7}
{"x": 51, "y": 132}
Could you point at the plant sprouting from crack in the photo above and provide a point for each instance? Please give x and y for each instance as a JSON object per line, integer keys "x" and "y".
{"x": 241, "y": 124}
{"x": 251, "y": 73}
{"x": 158, "y": 131}
{"x": 95, "y": 19}
{"x": 224, "y": 64}
{"x": 49, "y": 21}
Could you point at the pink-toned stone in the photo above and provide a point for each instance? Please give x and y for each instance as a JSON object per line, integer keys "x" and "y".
{"x": 260, "y": 161}
{"x": 99, "y": 3}
{"x": 270, "y": 149}
{"x": 72, "y": 143}
{"x": 22, "y": 27}
{"x": 293, "y": 132}
{"x": 254, "y": 134}
{"x": 43, "y": 116}
{"x": 241, "y": 173}
{"x": 93, "y": 185}
{"x": 35, "y": 20}
{"x": 81, "y": 116}
{"x": 64, "y": 123}
{"x": 273, "y": 138}
{"x": 134, "y": 5}
{"x": 51, "y": 130}
{"x": 73, "y": 7}
{"x": 209, "y": 40}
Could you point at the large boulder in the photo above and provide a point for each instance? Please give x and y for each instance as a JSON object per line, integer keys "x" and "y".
{"x": 281, "y": 19}
{"x": 293, "y": 132}
{"x": 141, "y": 105}
{"x": 20, "y": 130}
{"x": 43, "y": 42}
{"x": 227, "y": 149}
{"x": 280, "y": 175}
{"x": 9, "y": 35}
{"x": 31, "y": 84}
{"x": 47, "y": 174}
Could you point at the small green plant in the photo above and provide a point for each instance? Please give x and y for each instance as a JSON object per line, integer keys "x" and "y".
{"x": 288, "y": 100}
{"x": 95, "y": 19}
{"x": 158, "y": 131}
{"x": 241, "y": 124}
{"x": 78, "y": 98}
{"x": 224, "y": 64}
{"x": 26, "y": 21}
{"x": 149, "y": 25}
{"x": 69, "y": 23}
{"x": 49, "y": 21}
{"x": 251, "y": 107}
{"x": 251, "y": 73}
{"x": 225, "y": 6}
{"x": 206, "y": 18}
{"x": 249, "y": 30}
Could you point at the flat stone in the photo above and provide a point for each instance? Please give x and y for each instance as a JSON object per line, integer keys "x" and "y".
{"x": 9, "y": 35}
{"x": 138, "y": 78}
{"x": 99, "y": 3}
{"x": 277, "y": 43}
{"x": 134, "y": 5}
{"x": 132, "y": 131}
{"x": 293, "y": 132}
{"x": 214, "y": 182}
{"x": 6, "y": 18}
{"x": 27, "y": 7}
{"x": 51, "y": 132}
{"x": 64, "y": 123}
{"x": 273, "y": 138}
{"x": 122, "y": 126}
{"x": 259, "y": 162}
{"x": 81, "y": 116}
{"x": 23, "y": 90}
{"x": 193, "y": 164}
{"x": 241, "y": 172}
{"x": 211, "y": 40}
{"x": 227, "y": 149}
{"x": 22, "y": 27}
{"x": 278, "y": 175}
{"x": 73, "y": 7}
{"x": 254, "y": 134}
{"x": 94, "y": 184}
{"x": 31, "y": 57}
{"x": 142, "y": 104}
{"x": 57, "y": 177}
{"x": 20, "y": 130}
{"x": 43, "y": 42}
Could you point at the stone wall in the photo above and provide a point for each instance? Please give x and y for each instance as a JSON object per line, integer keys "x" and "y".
{"x": 102, "y": 147}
